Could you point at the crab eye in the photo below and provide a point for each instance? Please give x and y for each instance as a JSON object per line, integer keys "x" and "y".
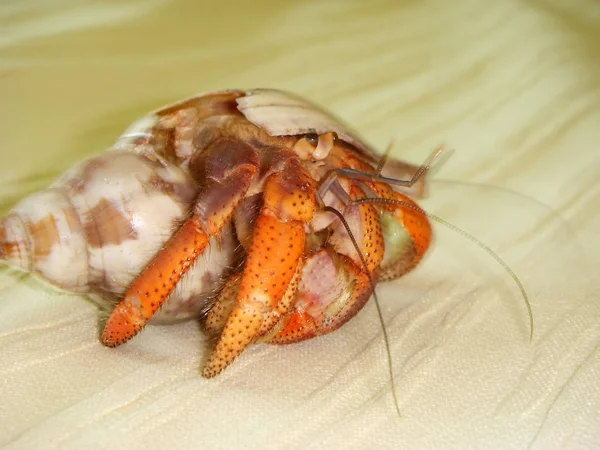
{"x": 312, "y": 139}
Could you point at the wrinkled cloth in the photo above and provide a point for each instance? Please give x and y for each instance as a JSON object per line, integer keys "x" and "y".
{"x": 512, "y": 87}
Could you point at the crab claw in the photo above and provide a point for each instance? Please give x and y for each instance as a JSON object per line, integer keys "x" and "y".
{"x": 407, "y": 233}
{"x": 337, "y": 280}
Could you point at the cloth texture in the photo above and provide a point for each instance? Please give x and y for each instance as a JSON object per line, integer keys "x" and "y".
{"x": 511, "y": 86}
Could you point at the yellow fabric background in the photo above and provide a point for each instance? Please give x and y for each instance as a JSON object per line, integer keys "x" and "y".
{"x": 513, "y": 86}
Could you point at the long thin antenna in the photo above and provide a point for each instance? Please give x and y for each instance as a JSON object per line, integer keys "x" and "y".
{"x": 384, "y": 158}
{"x": 466, "y": 235}
{"x": 355, "y": 174}
{"x": 379, "y": 312}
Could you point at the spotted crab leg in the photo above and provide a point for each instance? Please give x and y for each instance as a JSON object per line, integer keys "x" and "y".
{"x": 268, "y": 282}
{"x": 153, "y": 286}
{"x": 229, "y": 170}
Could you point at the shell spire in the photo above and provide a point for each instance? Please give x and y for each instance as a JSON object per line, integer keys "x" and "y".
{"x": 42, "y": 234}
{"x": 14, "y": 243}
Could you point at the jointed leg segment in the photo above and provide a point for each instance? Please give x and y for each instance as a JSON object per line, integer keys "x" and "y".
{"x": 149, "y": 291}
{"x": 270, "y": 275}
{"x": 227, "y": 183}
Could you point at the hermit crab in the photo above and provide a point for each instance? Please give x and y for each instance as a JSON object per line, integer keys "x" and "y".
{"x": 252, "y": 209}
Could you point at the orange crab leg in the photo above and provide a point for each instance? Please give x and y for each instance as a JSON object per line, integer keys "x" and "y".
{"x": 272, "y": 264}
{"x": 148, "y": 292}
{"x": 229, "y": 171}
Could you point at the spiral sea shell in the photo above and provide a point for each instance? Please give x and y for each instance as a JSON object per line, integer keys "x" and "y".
{"x": 95, "y": 229}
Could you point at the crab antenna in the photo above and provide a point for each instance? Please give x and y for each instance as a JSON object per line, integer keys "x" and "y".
{"x": 356, "y": 174}
{"x": 384, "y": 157}
{"x": 431, "y": 159}
{"x": 470, "y": 237}
{"x": 379, "y": 312}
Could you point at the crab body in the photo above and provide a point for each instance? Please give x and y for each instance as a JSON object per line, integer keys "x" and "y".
{"x": 240, "y": 205}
